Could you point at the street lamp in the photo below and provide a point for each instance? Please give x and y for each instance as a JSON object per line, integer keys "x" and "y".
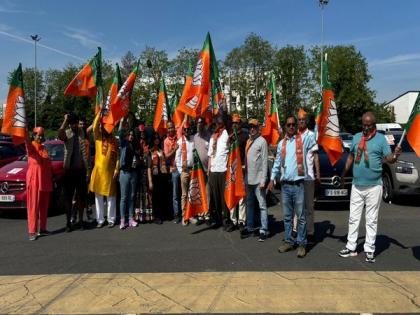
{"x": 322, "y": 4}
{"x": 36, "y": 39}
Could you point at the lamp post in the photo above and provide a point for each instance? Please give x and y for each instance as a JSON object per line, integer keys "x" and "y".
{"x": 36, "y": 39}
{"x": 322, "y": 4}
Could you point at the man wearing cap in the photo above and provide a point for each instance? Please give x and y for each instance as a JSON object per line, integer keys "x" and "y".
{"x": 169, "y": 149}
{"x": 218, "y": 156}
{"x": 312, "y": 160}
{"x": 256, "y": 156}
{"x": 76, "y": 166}
{"x": 184, "y": 162}
{"x": 290, "y": 159}
{"x": 238, "y": 215}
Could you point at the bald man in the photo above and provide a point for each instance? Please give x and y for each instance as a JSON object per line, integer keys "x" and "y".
{"x": 367, "y": 152}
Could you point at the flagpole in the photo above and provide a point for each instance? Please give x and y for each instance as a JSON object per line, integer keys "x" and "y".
{"x": 322, "y": 4}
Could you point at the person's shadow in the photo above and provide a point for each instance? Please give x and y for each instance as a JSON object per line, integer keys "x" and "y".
{"x": 382, "y": 243}
{"x": 323, "y": 230}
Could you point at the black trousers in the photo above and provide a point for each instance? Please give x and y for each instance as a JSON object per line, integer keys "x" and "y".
{"x": 75, "y": 185}
{"x": 219, "y": 211}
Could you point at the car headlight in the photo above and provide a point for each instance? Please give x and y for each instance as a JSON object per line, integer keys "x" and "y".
{"x": 404, "y": 167}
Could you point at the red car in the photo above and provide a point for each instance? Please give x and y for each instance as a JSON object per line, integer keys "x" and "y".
{"x": 10, "y": 152}
{"x": 13, "y": 177}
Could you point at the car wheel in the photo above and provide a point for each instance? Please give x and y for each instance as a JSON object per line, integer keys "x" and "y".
{"x": 387, "y": 190}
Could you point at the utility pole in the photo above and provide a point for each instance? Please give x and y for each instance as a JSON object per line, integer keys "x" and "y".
{"x": 36, "y": 39}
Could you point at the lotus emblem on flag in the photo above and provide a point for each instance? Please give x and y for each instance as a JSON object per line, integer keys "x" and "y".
{"x": 194, "y": 195}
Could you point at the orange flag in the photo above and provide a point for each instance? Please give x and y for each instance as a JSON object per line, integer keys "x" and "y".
{"x": 86, "y": 82}
{"x": 412, "y": 128}
{"x": 197, "y": 195}
{"x": 14, "y": 121}
{"x": 121, "y": 104}
{"x": 161, "y": 114}
{"x": 197, "y": 95}
{"x": 234, "y": 184}
{"x": 271, "y": 126}
{"x": 327, "y": 125}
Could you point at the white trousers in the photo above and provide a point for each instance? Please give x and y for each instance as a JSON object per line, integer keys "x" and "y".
{"x": 240, "y": 216}
{"x": 369, "y": 197}
{"x": 111, "y": 207}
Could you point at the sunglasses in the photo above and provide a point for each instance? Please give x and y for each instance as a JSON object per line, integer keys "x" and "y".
{"x": 290, "y": 125}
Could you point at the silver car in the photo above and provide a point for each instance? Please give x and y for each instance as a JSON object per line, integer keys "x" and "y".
{"x": 347, "y": 139}
{"x": 401, "y": 177}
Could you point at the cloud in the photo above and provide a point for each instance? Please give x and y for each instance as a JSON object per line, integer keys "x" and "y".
{"x": 395, "y": 60}
{"x": 85, "y": 38}
{"x": 22, "y": 39}
{"x": 9, "y": 7}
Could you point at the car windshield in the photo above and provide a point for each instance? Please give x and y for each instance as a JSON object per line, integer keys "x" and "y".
{"x": 55, "y": 151}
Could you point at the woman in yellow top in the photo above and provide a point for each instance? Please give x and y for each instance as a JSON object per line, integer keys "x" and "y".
{"x": 103, "y": 181}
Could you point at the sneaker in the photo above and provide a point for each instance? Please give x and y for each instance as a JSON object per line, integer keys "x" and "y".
{"x": 285, "y": 247}
{"x": 132, "y": 223}
{"x": 370, "y": 257}
{"x": 262, "y": 237}
{"x": 32, "y": 237}
{"x": 241, "y": 226}
{"x": 193, "y": 220}
{"x": 301, "y": 252}
{"x": 245, "y": 233}
{"x": 122, "y": 224}
{"x": 256, "y": 232}
{"x": 345, "y": 252}
{"x": 111, "y": 225}
{"x": 44, "y": 233}
{"x": 185, "y": 222}
{"x": 100, "y": 224}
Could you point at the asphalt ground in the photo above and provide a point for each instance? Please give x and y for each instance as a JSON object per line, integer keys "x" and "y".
{"x": 152, "y": 248}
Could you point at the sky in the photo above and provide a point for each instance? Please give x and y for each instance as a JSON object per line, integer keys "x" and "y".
{"x": 387, "y": 33}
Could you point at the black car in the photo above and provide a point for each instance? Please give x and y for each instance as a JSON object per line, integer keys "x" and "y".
{"x": 330, "y": 189}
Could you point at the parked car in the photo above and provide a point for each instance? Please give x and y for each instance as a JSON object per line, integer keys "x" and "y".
{"x": 347, "y": 139}
{"x": 330, "y": 189}
{"x": 388, "y": 127}
{"x": 13, "y": 179}
{"x": 10, "y": 152}
{"x": 401, "y": 177}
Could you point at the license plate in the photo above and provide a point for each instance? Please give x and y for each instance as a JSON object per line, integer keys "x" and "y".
{"x": 7, "y": 198}
{"x": 336, "y": 192}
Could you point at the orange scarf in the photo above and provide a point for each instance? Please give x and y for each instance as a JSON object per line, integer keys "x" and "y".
{"x": 215, "y": 137}
{"x": 362, "y": 147}
{"x": 299, "y": 153}
{"x": 40, "y": 149}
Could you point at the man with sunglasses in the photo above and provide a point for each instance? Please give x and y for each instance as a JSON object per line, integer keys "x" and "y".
{"x": 290, "y": 159}
{"x": 184, "y": 162}
{"x": 369, "y": 148}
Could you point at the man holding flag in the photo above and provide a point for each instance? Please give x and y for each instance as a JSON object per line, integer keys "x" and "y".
{"x": 367, "y": 151}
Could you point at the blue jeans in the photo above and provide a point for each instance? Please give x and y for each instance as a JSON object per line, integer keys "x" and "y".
{"x": 176, "y": 192}
{"x": 293, "y": 201}
{"x": 128, "y": 181}
{"x": 253, "y": 191}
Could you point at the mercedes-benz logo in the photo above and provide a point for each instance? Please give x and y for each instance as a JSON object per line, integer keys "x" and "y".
{"x": 336, "y": 181}
{"x": 4, "y": 187}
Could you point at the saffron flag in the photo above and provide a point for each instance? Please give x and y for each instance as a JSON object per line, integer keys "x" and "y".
{"x": 177, "y": 115}
{"x": 271, "y": 126}
{"x": 118, "y": 103}
{"x": 412, "y": 127}
{"x": 234, "y": 184}
{"x": 86, "y": 82}
{"x": 162, "y": 112}
{"x": 197, "y": 194}
{"x": 197, "y": 96}
{"x": 326, "y": 119}
{"x": 14, "y": 119}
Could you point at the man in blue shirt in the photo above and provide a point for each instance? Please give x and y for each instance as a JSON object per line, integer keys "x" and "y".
{"x": 367, "y": 152}
{"x": 291, "y": 160}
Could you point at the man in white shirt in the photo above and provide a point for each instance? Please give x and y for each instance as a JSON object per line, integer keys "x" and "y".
{"x": 184, "y": 162}
{"x": 218, "y": 155}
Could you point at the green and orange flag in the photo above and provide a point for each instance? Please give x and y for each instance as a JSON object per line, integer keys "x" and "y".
{"x": 14, "y": 120}
{"x": 177, "y": 115}
{"x": 197, "y": 194}
{"x": 197, "y": 98}
{"x": 119, "y": 102}
{"x": 87, "y": 81}
{"x": 412, "y": 128}
{"x": 326, "y": 119}
{"x": 234, "y": 183}
{"x": 162, "y": 111}
{"x": 271, "y": 125}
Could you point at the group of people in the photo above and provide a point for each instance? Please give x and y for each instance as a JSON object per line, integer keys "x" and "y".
{"x": 151, "y": 175}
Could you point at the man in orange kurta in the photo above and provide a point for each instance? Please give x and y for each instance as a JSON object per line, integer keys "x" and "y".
{"x": 38, "y": 184}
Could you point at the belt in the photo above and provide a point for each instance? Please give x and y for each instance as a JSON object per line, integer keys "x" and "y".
{"x": 292, "y": 182}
